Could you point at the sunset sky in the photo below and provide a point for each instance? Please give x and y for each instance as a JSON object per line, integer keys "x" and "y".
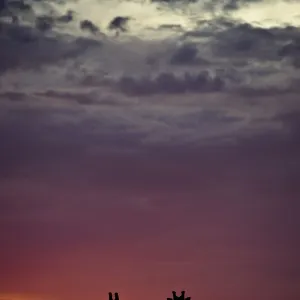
{"x": 167, "y": 158}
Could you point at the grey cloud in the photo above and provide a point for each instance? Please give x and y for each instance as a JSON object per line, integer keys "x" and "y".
{"x": 23, "y": 47}
{"x": 122, "y": 123}
{"x": 37, "y": 140}
{"x": 246, "y": 41}
{"x": 18, "y": 4}
{"x": 89, "y": 26}
{"x": 296, "y": 62}
{"x": 285, "y": 33}
{"x": 38, "y": 136}
{"x": 208, "y": 28}
{"x": 233, "y": 40}
{"x": 54, "y": 129}
{"x": 169, "y": 83}
{"x": 44, "y": 23}
{"x": 171, "y": 26}
{"x": 197, "y": 127}
{"x": 227, "y": 5}
{"x": 213, "y": 4}
{"x": 2, "y": 4}
{"x": 291, "y": 49}
{"x": 187, "y": 55}
{"x": 41, "y": 135}
{"x": 119, "y": 23}
{"x": 174, "y": 1}
{"x": 236, "y": 4}
{"x": 268, "y": 91}
{"x": 13, "y": 96}
{"x": 83, "y": 98}
{"x": 66, "y": 18}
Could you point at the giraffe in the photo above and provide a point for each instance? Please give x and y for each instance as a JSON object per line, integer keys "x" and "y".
{"x": 181, "y": 297}
{"x": 110, "y": 296}
{"x": 175, "y": 297}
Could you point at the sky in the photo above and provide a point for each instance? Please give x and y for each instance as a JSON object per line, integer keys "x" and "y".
{"x": 165, "y": 158}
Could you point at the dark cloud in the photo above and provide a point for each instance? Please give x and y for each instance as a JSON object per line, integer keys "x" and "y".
{"x": 119, "y": 23}
{"x": 44, "y": 23}
{"x": 2, "y": 5}
{"x": 187, "y": 55}
{"x": 13, "y": 96}
{"x": 296, "y": 62}
{"x": 286, "y": 33}
{"x": 291, "y": 49}
{"x": 64, "y": 133}
{"x": 23, "y": 47}
{"x": 89, "y": 26}
{"x": 37, "y": 136}
{"x": 236, "y": 4}
{"x": 169, "y": 83}
{"x": 174, "y": 1}
{"x": 16, "y": 10}
{"x": 227, "y": 5}
{"x": 18, "y": 5}
{"x": 246, "y": 41}
{"x": 66, "y": 18}
{"x": 242, "y": 41}
{"x": 83, "y": 98}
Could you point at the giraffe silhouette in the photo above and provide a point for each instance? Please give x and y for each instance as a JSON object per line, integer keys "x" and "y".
{"x": 110, "y": 296}
{"x": 181, "y": 297}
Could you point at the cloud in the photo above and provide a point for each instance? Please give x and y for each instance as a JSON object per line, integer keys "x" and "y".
{"x": 187, "y": 54}
{"x": 248, "y": 41}
{"x": 89, "y": 26}
{"x": 23, "y": 47}
{"x": 218, "y": 43}
{"x": 13, "y": 96}
{"x": 87, "y": 98}
{"x": 291, "y": 50}
{"x": 169, "y": 83}
{"x": 243, "y": 41}
{"x": 137, "y": 89}
{"x": 55, "y": 123}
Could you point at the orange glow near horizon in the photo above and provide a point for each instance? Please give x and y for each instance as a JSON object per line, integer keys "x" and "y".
{"x": 24, "y": 296}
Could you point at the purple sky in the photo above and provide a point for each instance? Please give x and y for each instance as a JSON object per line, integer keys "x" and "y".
{"x": 144, "y": 166}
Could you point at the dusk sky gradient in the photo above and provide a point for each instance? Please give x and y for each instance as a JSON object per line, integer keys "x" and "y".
{"x": 163, "y": 159}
